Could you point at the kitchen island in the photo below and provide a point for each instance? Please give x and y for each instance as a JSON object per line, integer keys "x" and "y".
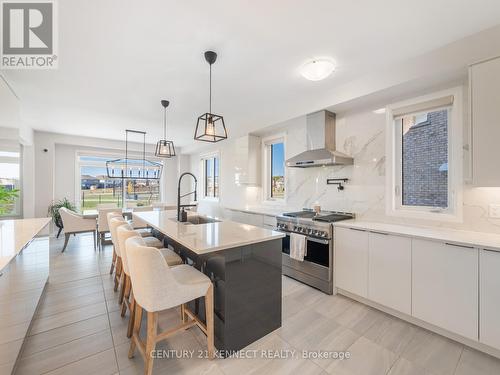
{"x": 24, "y": 271}
{"x": 244, "y": 264}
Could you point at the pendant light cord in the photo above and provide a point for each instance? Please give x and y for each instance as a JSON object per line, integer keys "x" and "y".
{"x": 165, "y": 123}
{"x": 210, "y": 96}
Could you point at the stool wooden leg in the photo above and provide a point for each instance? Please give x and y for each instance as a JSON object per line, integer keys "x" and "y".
{"x": 209, "y": 315}
{"x": 113, "y": 262}
{"x": 183, "y": 313}
{"x": 118, "y": 272}
{"x": 151, "y": 341}
{"x": 137, "y": 330}
{"x": 123, "y": 279}
{"x": 131, "y": 317}
{"x": 126, "y": 294}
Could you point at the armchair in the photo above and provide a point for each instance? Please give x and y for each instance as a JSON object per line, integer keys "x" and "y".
{"x": 74, "y": 223}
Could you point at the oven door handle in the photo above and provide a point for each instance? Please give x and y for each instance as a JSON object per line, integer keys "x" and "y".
{"x": 318, "y": 240}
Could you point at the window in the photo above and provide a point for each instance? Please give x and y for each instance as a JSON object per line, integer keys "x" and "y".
{"x": 274, "y": 168}
{"x": 10, "y": 180}
{"x": 211, "y": 169}
{"x": 424, "y": 158}
{"x": 96, "y": 187}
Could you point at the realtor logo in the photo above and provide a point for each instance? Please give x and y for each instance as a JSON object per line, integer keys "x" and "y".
{"x": 28, "y": 35}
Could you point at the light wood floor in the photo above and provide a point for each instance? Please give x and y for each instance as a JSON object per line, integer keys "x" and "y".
{"x": 78, "y": 330}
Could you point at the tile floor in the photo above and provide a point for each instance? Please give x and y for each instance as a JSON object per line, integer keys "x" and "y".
{"x": 78, "y": 330}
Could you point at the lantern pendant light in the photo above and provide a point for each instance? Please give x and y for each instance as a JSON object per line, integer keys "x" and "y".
{"x": 164, "y": 148}
{"x": 210, "y": 127}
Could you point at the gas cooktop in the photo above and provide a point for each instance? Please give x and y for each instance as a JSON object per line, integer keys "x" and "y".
{"x": 324, "y": 216}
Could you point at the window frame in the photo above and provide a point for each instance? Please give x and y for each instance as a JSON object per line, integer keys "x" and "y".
{"x": 19, "y": 202}
{"x": 394, "y": 183}
{"x": 203, "y": 158}
{"x": 267, "y": 142}
{"x": 109, "y": 155}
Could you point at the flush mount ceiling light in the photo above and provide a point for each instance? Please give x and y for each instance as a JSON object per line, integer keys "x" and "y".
{"x": 164, "y": 148}
{"x": 210, "y": 127}
{"x": 318, "y": 69}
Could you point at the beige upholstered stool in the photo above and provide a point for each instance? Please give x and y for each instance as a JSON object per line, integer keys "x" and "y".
{"x": 123, "y": 232}
{"x": 158, "y": 287}
{"x": 116, "y": 262}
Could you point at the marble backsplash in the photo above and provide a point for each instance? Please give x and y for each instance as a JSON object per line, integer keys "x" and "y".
{"x": 362, "y": 135}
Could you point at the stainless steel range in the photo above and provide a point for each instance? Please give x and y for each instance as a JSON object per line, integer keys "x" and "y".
{"x": 317, "y": 268}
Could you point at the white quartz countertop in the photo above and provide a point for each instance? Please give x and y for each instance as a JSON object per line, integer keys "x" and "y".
{"x": 268, "y": 211}
{"x": 489, "y": 241}
{"x": 16, "y": 234}
{"x": 206, "y": 238}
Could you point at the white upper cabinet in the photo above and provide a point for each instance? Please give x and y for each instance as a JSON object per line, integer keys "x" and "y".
{"x": 247, "y": 162}
{"x": 445, "y": 286}
{"x": 489, "y": 297}
{"x": 389, "y": 271}
{"x": 485, "y": 122}
{"x": 351, "y": 258}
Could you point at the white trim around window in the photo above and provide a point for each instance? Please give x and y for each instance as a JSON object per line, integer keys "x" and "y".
{"x": 267, "y": 142}
{"x": 416, "y": 106}
{"x": 203, "y": 159}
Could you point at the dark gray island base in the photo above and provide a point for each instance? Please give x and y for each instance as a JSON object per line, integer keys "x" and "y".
{"x": 247, "y": 291}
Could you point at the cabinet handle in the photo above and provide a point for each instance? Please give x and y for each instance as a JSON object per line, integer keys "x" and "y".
{"x": 358, "y": 230}
{"x": 491, "y": 251}
{"x": 383, "y": 233}
{"x": 464, "y": 246}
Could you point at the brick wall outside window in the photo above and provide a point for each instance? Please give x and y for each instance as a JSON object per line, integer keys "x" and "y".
{"x": 425, "y": 152}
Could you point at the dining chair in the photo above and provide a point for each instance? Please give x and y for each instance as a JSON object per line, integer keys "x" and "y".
{"x": 102, "y": 223}
{"x": 138, "y": 223}
{"x": 158, "y": 287}
{"x": 123, "y": 232}
{"x": 74, "y": 223}
{"x": 106, "y": 205}
{"x": 163, "y": 206}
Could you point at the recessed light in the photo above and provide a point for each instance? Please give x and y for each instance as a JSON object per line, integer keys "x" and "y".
{"x": 379, "y": 111}
{"x": 318, "y": 69}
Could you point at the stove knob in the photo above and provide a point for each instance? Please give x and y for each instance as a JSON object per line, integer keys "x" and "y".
{"x": 323, "y": 234}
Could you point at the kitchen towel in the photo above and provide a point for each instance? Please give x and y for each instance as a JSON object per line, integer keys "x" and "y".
{"x": 297, "y": 246}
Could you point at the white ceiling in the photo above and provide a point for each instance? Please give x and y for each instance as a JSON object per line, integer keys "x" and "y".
{"x": 118, "y": 58}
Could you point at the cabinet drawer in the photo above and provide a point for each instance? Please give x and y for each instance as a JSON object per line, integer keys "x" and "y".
{"x": 389, "y": 271}
{"x": 445, "y": 286}
{"x": 489, "y": 292}
{"x": 351, "y": 260}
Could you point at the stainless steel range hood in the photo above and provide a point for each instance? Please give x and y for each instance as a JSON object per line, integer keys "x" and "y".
{"x": 320, "y": 132}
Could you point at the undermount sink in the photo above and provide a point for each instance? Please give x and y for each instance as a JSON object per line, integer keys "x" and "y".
{"x": 195, "y": 220}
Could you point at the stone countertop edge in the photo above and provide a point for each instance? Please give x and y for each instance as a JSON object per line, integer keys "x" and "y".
{"x": 484, "y": 240}
{"x": 17, "y": 234}
{"x": 190, "y": 231}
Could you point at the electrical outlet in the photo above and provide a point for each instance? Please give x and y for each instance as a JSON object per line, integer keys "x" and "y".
{"x": 494, "y": 211}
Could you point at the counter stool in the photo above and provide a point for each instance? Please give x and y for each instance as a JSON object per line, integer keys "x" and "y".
{"x": 158, "y": 287}
{"x": 123, "y": 232}
{"x": 116, "y": 261}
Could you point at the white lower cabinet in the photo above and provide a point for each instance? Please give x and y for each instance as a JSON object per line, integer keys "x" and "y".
{"x": 389, "y": 271}
{"x": 351, "y": 258}
{"x": 489, "y": 297}
{"x": 445, "y": 286}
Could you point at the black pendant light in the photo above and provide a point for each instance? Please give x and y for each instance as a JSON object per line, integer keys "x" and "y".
{"x": 210, "y": 127}
{"x": 164, "y": 148}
